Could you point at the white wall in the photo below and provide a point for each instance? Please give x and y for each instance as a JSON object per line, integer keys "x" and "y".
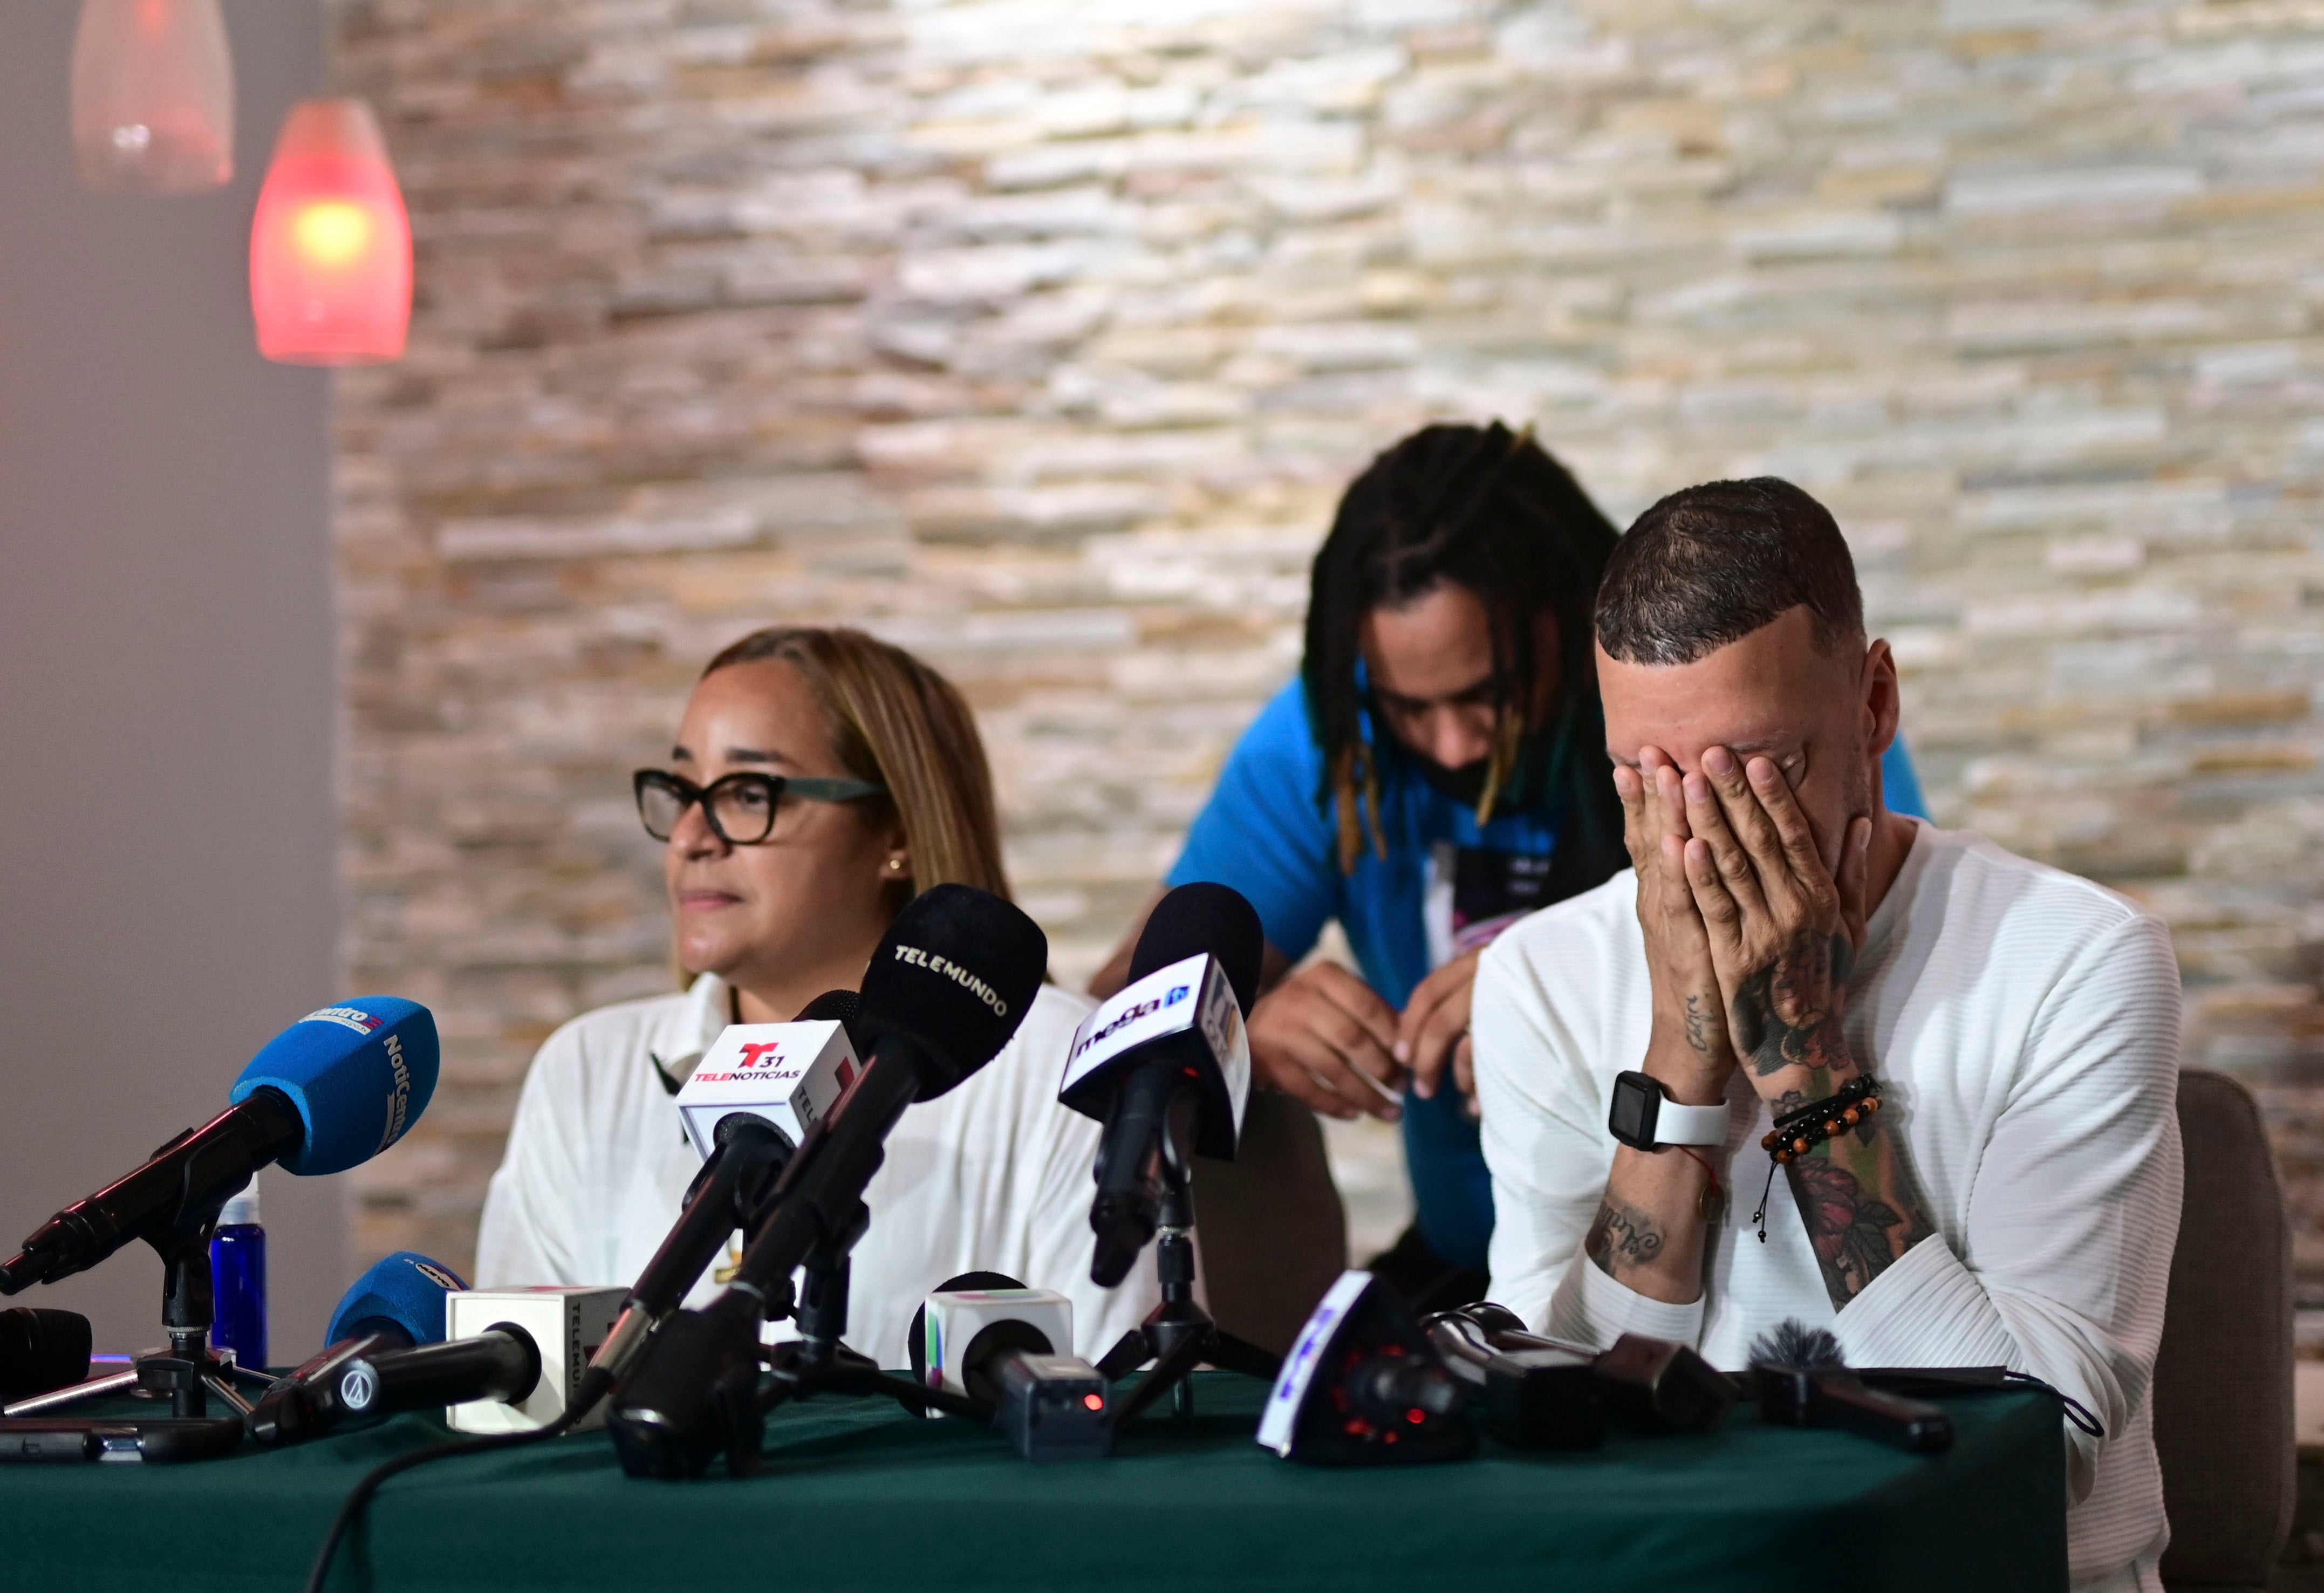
{"x": 167, "y": 895}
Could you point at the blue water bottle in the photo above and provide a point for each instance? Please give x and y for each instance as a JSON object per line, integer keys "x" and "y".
{"x": 238, "y": 1276}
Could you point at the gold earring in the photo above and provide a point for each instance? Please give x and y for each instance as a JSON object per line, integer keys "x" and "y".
{"x": 895, "y": 865}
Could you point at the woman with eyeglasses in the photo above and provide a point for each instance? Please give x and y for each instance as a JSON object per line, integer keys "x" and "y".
{"x": 820, "y": 778}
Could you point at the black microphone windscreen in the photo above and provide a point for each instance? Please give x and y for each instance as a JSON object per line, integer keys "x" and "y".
{"x": 844, "y": 1008}
{"x": 955, "y": 974}
{"x": 1202, "y": 918}
{"x": 41, "y": 1349}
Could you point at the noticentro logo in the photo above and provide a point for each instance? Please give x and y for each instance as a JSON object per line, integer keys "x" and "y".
{"x": 398, "y": 1094}
{"x": 347, "y": 1017}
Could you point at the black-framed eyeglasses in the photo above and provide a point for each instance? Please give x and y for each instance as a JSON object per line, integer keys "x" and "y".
{"x": 741, "y": 807}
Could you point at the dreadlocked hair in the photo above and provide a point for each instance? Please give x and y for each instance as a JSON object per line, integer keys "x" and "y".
{"x": 1487, "y": 509}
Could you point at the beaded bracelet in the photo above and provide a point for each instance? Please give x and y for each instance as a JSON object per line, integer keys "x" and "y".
{"x": 1796, "y": 1131}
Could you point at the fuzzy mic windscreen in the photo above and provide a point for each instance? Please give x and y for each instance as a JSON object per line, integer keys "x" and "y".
{"x": 1792, "y": 1343}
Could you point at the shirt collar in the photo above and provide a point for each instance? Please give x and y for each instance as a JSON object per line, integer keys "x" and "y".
{"x": 685, "y": 1032}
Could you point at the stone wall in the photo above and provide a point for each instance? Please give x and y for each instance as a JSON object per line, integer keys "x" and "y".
{"x": 1039, "y": 334}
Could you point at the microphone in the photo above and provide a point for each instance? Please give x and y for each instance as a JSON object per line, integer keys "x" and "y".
{"x": 1363, "y": 1386}
{"x": 332, "y": 1091}
{"x": 962, "y": 1330}
{"x": 397, "y": 1305}
{"x": 41, "y": 1350}
{"x": 1800, "y": 1380}
{"x": 988, "y": 1338}
{"x": 785, "y": 1075}
{"x": 1533, "y": 1394}
{"x": 400, "y": 1299}
{"x": 1165, "y": 1064}
{"x": 758, "y": 1091}
{"x": 947, "y": 987}
{"x": 361, "y": 1382}
{"x": 504, "y": 1360}
{"x": 1653, "y": 1385}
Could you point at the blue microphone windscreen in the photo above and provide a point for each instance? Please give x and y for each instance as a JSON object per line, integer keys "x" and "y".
{"x": 407, "y": 1289}
{"x": 359, "y": 1072}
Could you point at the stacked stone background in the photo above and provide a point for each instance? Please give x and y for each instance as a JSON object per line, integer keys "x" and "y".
{"x": 1038, "y": 335}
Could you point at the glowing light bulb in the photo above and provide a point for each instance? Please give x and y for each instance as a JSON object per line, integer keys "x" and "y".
{"x": 331, "y": 232}
{"x": 330, "y": 248}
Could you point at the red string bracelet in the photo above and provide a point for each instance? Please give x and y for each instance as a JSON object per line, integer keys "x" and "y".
{"x": 1712, "y": 1205}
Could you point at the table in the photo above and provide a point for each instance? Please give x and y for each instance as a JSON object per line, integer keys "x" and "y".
{"x": 857, "y": 1495}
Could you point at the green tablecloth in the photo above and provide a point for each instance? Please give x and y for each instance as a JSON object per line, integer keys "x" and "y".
{"x": 858, "y": 1495}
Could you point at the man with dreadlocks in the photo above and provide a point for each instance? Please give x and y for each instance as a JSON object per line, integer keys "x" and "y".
{"x": 1436, "y": 771}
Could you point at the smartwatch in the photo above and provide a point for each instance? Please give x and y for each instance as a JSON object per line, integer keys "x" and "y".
{"x": 1643, "y": 1118}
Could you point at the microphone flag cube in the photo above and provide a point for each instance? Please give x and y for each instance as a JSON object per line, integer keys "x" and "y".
{"x": 1189, "y": 1006}
{"x": 960, "y": 1327}
{"x": 788, "y": 1073}
{"x": 567, "y": 1322}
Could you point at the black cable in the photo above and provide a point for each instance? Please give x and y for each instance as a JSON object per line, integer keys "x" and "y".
{"x": 594, "y": 1386}
{"x": 2077, "y": 1412}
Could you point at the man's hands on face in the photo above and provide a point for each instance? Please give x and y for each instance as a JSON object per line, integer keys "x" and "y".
{"x": 1750, "y": 940}
{"x": 1687, "y": 1051}
{"x": 1327, "y": 1038}
{"x": 1782, "y": 932}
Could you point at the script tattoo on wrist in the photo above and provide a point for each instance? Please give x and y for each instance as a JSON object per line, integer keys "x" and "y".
{"x": 1787, "y": 1014}
{"x": 1621, "y": 1237}
{"x": 1698, "y": 1025}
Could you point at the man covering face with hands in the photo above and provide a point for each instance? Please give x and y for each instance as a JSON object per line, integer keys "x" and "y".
{"x": 1952, "y": 1071}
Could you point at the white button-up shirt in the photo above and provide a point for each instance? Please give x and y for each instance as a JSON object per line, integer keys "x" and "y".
{"x": 992, "y": 1175}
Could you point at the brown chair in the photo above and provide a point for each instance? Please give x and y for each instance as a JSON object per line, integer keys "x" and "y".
{"x": 1271, "y": 1233}
{"x": 2223, "y": 1423}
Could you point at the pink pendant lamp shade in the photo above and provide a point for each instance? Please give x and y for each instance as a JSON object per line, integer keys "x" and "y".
{"x": 331, "y": 249}
{"x": 152, "y": 95}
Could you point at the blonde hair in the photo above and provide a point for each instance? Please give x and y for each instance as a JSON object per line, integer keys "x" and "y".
{"x": 898, "y": 723}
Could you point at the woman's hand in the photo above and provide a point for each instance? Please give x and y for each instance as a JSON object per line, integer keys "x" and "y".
{"x": 1326, "y": 1037}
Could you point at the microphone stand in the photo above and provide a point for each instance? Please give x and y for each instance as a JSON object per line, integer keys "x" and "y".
{"x": 190, "y": 1371}
{"x": 816, "y": 1362}
{"x": 1178, "y": 1334}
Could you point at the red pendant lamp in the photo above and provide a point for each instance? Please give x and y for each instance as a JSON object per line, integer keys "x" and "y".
{"x": 152, "y": 95}
{"x": 331, "y": 249}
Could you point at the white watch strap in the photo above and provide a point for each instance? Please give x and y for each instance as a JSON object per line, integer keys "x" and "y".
{"x": 1690, "y": 1124}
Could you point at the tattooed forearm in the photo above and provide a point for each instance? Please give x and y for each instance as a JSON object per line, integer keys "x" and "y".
{"x": 1786, "y": 1015}
{"x": 1859, "y": 1207}
{"x": 1621, "y": 1237}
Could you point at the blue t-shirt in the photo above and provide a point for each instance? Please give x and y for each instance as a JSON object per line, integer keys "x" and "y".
{"x": 1266, "y": 833}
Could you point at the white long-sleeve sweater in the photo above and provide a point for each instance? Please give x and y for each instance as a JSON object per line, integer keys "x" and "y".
{"x": 2024, "y": 1023}
{"x": 991, "y": 1176}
